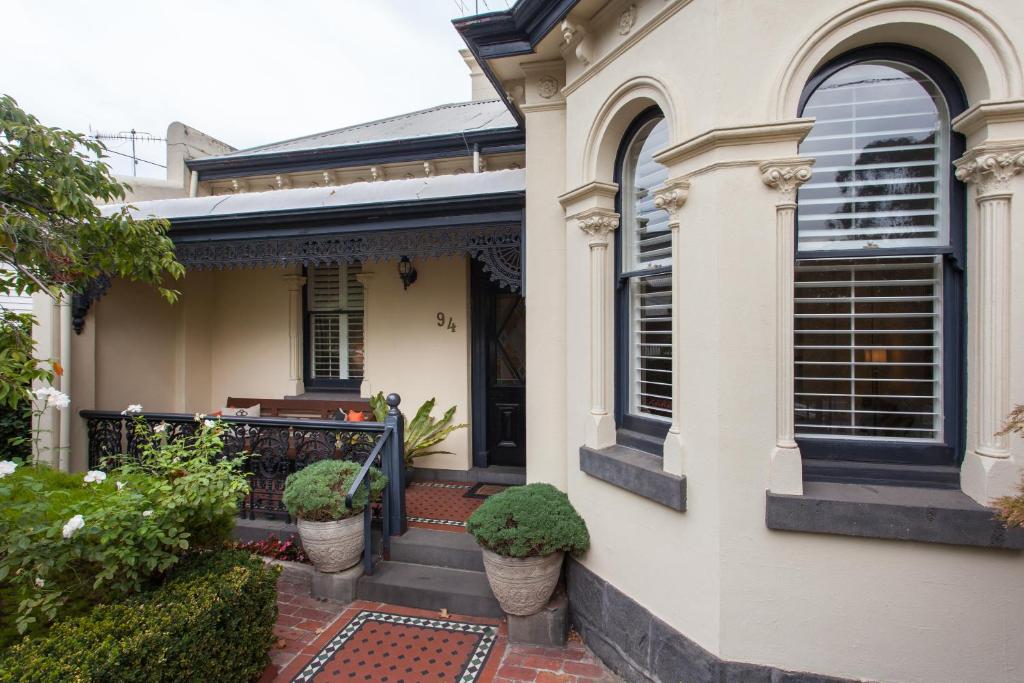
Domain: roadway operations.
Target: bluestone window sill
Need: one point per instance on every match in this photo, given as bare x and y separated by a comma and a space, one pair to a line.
926, 515
636, 472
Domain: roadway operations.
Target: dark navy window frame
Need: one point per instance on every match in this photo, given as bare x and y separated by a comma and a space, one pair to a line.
623, 420
954, 311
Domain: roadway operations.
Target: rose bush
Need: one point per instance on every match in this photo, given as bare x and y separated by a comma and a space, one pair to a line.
68, 541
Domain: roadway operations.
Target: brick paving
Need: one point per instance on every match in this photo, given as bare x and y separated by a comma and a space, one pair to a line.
306, 625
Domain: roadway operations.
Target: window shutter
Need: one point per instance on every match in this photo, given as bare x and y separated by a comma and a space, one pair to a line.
881, 147
335, 302
868, 340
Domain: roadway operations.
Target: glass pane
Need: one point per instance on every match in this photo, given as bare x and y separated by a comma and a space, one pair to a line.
511, 339
868, 344
646, 240
881, 150
651, 347
335, 296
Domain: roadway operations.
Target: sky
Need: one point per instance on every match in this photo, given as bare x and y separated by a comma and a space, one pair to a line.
246, 72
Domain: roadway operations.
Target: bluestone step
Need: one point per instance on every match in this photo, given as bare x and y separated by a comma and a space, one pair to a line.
437, 548
426, 587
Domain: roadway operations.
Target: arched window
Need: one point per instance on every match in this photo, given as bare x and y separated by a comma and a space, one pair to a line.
879, 263
644, 283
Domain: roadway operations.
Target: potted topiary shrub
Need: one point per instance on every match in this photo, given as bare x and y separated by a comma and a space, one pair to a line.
524, 533
332, 534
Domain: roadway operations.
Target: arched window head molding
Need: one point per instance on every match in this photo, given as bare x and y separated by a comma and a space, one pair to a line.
965, 38
615, 117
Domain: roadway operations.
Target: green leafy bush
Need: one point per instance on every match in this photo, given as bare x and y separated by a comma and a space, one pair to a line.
212, 620
527, 521
317, 493
424, 431
68, 541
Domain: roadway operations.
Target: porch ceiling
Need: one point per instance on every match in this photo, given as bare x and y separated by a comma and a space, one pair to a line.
477, 214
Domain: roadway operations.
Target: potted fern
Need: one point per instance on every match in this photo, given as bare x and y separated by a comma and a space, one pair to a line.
423, 432
524, 533
331, 533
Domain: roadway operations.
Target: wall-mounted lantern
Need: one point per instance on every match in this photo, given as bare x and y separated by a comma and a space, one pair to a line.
406, 272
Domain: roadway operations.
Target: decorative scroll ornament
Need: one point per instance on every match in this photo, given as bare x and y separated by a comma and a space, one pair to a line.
597, 222
626, 20
490, 245
786, 176
672, 196
990, 169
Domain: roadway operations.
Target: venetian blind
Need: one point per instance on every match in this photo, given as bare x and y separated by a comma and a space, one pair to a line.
335, 302
646, 263
880, 144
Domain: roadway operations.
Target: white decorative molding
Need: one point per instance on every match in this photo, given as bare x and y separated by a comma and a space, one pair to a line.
792, 131
991, 166
598, 223
575, 35
330, 178
378, 173
989, 114
785, 474
670, 198
627, 20
428, 169
364, 278
547, 87
786, 176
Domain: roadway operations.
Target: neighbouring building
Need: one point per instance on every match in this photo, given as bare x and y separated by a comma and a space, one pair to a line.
761, 261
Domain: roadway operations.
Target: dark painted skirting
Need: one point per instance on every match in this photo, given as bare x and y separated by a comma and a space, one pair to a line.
891, 512
637, 472
640, 647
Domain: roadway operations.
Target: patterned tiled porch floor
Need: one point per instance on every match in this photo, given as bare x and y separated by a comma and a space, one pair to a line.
444, 505
322, 641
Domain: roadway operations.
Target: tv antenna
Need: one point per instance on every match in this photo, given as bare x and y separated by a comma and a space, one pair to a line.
134, 136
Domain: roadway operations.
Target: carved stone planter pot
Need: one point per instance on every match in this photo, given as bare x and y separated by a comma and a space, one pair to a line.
333, 546
522, 585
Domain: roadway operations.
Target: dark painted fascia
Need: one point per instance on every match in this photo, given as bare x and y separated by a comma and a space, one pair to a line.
482, 210
390, 151
515, 31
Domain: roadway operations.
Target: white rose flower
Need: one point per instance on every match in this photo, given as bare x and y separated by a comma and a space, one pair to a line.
209, 424
73, 525
133, 408
40, 583
59, 400
199, 416
43, 392
120, 485
160, 428
95, 477
147, 513
7, 467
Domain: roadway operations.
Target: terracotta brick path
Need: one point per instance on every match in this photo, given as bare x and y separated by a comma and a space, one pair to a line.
305, 625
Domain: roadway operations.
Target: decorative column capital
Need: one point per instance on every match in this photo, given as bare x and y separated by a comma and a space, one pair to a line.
597, 222
671, 198
990, 167
786, 176
294, 281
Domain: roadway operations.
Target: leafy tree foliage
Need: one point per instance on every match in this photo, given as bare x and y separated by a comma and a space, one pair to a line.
53, 236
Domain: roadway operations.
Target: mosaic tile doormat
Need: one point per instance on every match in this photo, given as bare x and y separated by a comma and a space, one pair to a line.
484, 491
439, 505
394, 648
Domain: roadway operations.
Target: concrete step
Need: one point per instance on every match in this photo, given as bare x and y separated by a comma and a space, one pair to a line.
437, 548
426, 587
496, 474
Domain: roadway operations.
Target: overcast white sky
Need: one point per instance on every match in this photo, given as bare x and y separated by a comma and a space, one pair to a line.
247, 72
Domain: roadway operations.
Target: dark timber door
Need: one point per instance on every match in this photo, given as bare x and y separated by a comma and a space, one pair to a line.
499, 373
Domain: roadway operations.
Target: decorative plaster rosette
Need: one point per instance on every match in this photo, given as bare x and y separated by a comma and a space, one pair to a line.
627, 20
547, 86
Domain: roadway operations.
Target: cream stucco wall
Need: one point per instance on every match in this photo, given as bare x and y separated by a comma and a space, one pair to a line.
858, 608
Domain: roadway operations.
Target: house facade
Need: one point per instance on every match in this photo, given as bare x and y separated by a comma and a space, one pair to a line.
760, 262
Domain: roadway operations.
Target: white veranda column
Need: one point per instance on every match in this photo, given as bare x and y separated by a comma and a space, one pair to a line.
295, 283
599, 224
365, 278
785, 176
671, 198
987, 470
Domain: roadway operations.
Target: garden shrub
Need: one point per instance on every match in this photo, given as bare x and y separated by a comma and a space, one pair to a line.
527, 521
317, 493
212, 620
68, 541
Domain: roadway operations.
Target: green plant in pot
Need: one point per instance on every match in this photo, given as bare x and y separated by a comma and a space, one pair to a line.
331, 533
524, 533
424, 431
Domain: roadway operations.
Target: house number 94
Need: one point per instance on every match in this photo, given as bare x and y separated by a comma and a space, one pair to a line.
445, 322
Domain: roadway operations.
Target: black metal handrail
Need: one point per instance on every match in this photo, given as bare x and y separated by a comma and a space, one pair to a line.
363, 478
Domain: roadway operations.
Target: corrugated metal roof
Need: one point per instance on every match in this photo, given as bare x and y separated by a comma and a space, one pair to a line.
386, 191
446, 119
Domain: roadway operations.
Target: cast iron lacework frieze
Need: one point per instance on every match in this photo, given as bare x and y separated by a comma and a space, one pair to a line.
80, 303
497, 247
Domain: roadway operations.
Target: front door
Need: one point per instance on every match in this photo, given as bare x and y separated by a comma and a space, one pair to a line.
499, 373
